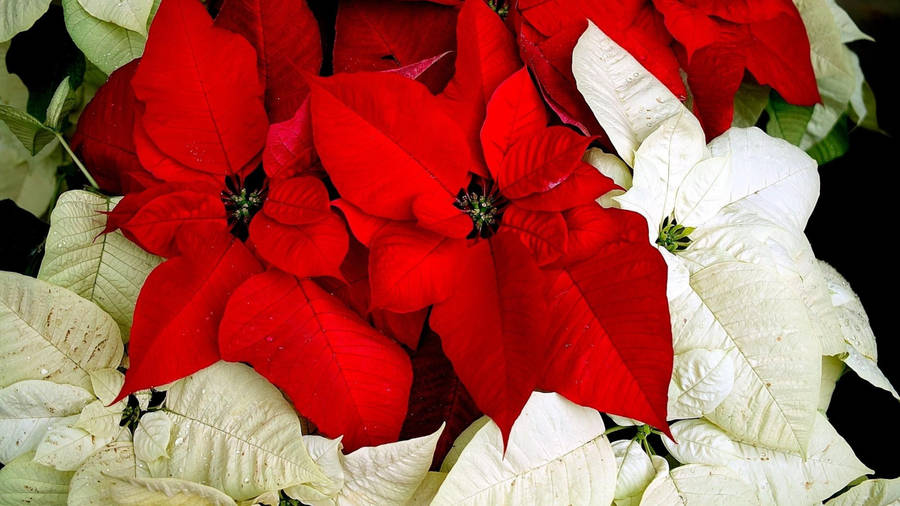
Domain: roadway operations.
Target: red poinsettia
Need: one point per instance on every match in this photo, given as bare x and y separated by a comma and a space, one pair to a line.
494, 249
714, 42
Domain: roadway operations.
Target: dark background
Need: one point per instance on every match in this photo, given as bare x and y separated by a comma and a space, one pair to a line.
854, 229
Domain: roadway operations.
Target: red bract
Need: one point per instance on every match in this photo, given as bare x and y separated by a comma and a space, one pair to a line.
406, 195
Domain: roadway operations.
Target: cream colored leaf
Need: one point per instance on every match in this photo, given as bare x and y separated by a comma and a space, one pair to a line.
107, 269
624, 421
862, 351
870, 493
755, 315
65, 447
130, 14
388, 473
106, 384
152, 436
749, 103
101, 421
628, 101
612, 167
327, 454
165, 492
849, 31
832, 368
778, 477
23, 481
106, 45
635, 472
18, 15
427, 489
48, 332
556, 454
230, 423
93, 482
460, 443
701, 379
29, 408
701, 485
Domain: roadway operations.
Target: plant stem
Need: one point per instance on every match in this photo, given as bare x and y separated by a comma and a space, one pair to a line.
75, 159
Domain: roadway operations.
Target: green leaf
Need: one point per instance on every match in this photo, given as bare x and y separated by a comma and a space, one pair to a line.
18, 15
130, 14
870, 121
23, 481
106, 269
105, 44
48, 332
787, 121
749, 103
62, 102
33, 134
834, 145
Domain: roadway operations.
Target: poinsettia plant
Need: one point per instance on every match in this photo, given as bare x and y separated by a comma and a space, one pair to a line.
331, 238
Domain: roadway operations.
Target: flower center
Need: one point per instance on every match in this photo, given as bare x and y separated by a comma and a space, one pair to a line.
484, 204
242, 200
674, 237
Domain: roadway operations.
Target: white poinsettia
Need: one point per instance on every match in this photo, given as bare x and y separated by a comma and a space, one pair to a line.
635, 472
777, 477
697, 484
870, 493
556, 454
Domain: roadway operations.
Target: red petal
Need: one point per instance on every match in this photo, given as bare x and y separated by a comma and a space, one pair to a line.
297, 201
411, 268
177, 315
393, 160
340, 373
592, 226
584, 185
541, 162
289, 145
314, 249
162, 166
364, 226
200, 88
387, 35
493, 328
286, 37
103, 139
415, 70
438, 217
160, 220
437, 396
611, 331
543, 233
514, 112
406, 328
353, 290
486, 56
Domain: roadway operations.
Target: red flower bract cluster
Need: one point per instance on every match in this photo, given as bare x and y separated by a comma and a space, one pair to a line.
473, 223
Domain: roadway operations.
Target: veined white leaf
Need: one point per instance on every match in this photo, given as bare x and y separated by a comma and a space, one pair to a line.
612, 167
106, 269
698, 484
48, 332
106, 384
18, 15
870, 493
230, 423
862, 351
106, 45
832, 368
23, 481
635, 472
701, 379
93, 481
131, 14
165, 491
152, 436
556, 454
101, 421
778, 477
29, 408
66, 447
628, 101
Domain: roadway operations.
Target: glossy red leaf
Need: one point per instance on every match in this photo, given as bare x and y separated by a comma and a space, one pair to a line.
541, 162
405, 328
379, 159
583, 186
297, 201
286, 37
156, 224
543, 233
176, 319
103, 138
309, 250
364, 226
411, 268
353, 290
289, 147
339, 372
415, 70
162, 166
611, 331
591, 227
514, 112
493, 327
437, 216
437, 397
203, 106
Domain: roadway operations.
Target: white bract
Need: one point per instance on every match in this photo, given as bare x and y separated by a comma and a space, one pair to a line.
556, 454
